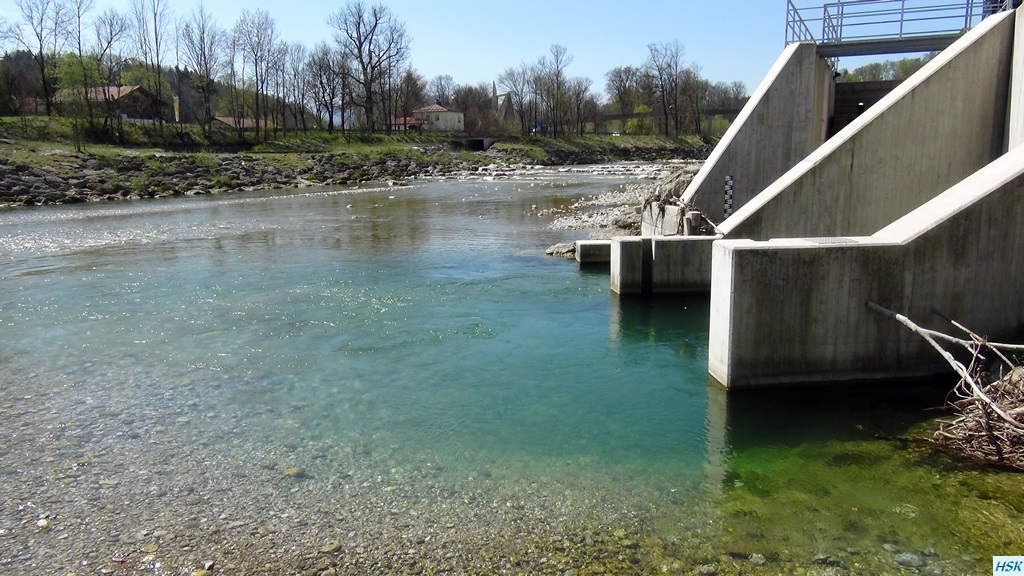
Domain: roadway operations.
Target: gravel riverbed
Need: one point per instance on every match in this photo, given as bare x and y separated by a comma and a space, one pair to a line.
617, 212
91, 487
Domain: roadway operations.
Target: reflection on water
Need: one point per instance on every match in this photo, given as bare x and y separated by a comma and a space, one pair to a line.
423, 328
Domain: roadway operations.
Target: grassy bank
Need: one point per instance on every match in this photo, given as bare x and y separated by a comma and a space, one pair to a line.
39, 133
41, 164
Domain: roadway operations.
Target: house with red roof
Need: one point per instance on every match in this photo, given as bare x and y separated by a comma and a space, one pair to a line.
437, 118
407, 124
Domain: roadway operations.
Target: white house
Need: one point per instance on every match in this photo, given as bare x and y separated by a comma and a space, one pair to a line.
437, 118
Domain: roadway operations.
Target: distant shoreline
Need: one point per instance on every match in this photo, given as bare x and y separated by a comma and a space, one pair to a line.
59, 177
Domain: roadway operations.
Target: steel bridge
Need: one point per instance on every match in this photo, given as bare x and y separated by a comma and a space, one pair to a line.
869, 27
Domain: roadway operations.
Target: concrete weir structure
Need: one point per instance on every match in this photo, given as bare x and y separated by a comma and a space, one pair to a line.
794, 310
916, 205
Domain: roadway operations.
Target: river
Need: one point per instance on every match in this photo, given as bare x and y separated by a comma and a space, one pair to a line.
397, 380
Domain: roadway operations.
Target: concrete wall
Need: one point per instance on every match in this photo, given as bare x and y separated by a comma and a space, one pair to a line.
790, 311
593, 251
939, 126
671, 265
1015, 117
630, 266
655, 223
784, 120
681, 264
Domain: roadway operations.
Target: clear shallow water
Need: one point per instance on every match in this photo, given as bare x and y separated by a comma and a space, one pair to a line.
434, 312
425, 326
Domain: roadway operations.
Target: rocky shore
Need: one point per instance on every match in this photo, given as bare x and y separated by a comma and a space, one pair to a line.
57, 176
71, 178
618, 212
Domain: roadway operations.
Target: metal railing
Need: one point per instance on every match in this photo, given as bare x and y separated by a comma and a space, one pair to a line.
796, 28
866, 20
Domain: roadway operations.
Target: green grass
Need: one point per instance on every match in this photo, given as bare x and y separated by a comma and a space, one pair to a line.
41, 141
206, 160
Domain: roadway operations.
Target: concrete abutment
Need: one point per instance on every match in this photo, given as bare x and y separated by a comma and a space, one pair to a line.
916, 204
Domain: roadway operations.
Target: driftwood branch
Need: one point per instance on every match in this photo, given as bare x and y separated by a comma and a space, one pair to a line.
987, 428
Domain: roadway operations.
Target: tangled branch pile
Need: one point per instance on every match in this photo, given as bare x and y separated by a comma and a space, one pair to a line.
989, 425
701, 226
987, 428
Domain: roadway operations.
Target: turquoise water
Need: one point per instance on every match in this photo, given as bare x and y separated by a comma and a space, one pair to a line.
423, 326
432, 317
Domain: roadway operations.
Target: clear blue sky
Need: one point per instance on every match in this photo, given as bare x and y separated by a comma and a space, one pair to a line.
474, 41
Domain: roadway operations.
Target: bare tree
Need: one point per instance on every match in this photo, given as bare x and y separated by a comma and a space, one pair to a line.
475, 104
326, 71
412, 93
373, 40
557, 87
516, 84
204, 44
235, 77
664, 64
579, 93
441, 88
83, 78
150, 19
738, 93
693, 90
390, 80
622, 84
277, 69
537, 102
297, 88
256, 37
46, 21
110, 28
7, 32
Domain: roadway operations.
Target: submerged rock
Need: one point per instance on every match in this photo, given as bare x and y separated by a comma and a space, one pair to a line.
909, 559
295, 472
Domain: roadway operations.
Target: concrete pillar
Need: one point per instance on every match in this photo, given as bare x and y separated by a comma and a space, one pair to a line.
630, 265
681, 264
593, 251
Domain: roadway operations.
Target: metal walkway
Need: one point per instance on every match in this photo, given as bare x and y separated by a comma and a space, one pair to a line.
869, 27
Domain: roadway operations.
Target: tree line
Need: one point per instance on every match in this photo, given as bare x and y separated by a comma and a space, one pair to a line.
64, 55
886, 70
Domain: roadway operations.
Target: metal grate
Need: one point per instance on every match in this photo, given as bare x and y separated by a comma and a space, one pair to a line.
832, 240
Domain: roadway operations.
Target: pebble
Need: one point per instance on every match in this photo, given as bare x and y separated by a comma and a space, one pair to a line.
295, 472
330, 548
826, 560
909, 559
758, 559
